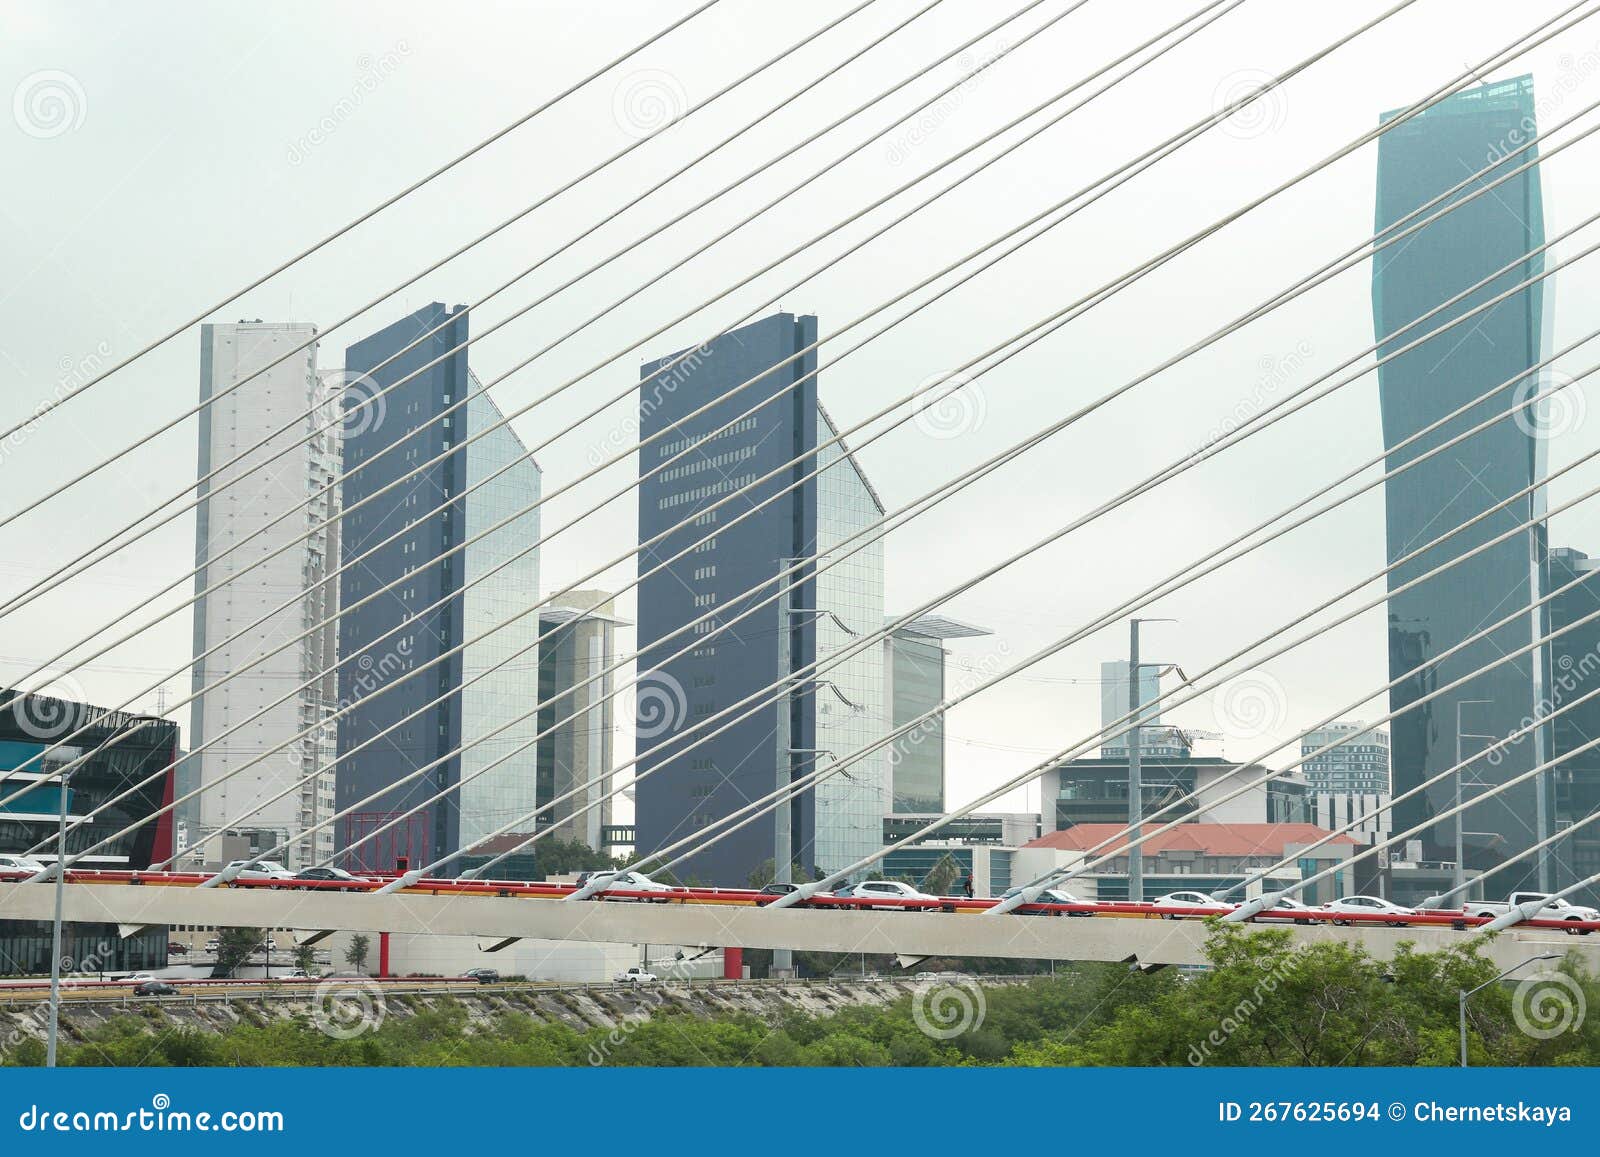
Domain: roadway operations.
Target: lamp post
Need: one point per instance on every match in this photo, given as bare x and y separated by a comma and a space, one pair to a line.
1465, 994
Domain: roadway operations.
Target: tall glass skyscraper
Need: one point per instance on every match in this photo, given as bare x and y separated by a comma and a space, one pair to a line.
1417, 161
677, 795
1575, 673
428, 528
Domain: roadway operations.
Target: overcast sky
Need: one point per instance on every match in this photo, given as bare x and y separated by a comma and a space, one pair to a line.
161, 156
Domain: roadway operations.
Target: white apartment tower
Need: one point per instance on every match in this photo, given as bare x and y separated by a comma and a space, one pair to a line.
259, 521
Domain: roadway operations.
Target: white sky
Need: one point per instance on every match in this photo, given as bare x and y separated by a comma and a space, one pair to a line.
192, 160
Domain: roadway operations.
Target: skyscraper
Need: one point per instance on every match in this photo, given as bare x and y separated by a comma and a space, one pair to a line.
1575, 672
476, 701
1359, 764
263, 494
840, 819
1418, 160
914, 665
578, 643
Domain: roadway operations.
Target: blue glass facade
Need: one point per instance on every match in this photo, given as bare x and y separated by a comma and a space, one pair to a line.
371, 674
678, 795
1419, 160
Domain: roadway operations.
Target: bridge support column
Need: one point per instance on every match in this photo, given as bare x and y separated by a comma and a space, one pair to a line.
733, 964
383, 955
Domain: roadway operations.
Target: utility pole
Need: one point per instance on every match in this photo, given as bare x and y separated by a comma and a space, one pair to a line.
1135, 772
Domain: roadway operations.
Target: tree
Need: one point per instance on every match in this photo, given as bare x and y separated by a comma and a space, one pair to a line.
560, 857
356, 954
234, 947
941, 879
305, 957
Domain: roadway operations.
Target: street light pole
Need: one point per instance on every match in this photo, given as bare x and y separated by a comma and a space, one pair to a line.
1465, 994
55, 929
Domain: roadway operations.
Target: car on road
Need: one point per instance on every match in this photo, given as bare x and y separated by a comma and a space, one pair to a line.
483, 975
637, 975
1047, 896
1552, 908
136, 978
627, 881
890, 890
1201, 904
177, 948
155, 988
783, 888
260, 870
213, 944
1384, 911
12, 866
1288, 910
334, 879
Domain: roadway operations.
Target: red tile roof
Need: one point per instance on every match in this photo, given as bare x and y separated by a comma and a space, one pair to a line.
1206, 839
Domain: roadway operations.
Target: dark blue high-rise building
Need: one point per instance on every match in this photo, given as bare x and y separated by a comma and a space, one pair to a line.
481, 695
1418, 160
732, 566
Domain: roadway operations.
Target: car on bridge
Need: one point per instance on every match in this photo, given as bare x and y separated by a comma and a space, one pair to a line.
1288, 910
483, 975
1381, 910
13, 867
637, 975
336, 879
1551, 909
1047, 896
628, 881
260, 870
155, 988
1191, 905
911, 900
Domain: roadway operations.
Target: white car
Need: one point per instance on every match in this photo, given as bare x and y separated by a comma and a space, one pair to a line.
137, 978
213, 944
1367, 906
1200, 903
10, 864
637, 975
262, 870
888, 890
628, 882
1288, 910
